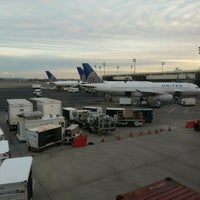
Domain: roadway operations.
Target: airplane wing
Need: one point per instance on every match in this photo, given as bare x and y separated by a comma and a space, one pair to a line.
150, 92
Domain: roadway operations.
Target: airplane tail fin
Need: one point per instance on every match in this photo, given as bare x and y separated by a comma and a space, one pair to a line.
81, 74
91, 75
51, 77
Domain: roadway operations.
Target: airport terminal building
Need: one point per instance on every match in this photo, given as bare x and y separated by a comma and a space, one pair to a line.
179, 75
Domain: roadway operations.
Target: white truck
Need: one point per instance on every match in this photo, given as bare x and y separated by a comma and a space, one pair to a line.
16, 107
188, 101
16, 179
125, 101
43, 136
25, 124
48, 106
4, 150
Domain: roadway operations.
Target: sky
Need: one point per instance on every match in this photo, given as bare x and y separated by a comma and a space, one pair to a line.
60, 35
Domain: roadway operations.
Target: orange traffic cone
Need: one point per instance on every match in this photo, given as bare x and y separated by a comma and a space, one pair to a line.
118, 137
102, 139
149, 132
131, 134
140, 133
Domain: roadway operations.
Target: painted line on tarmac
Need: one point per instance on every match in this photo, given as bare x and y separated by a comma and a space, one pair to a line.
186, 110
172, 109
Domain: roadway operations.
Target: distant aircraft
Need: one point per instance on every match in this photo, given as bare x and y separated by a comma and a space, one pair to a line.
91, 75
81, 74
153, 92
53, 80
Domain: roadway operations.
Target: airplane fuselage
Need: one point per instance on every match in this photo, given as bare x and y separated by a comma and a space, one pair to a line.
142, 88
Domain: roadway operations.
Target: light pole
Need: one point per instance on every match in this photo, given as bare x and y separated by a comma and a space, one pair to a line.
104, 64
117, 70
134, 61
162, 65
131, 67
100, 70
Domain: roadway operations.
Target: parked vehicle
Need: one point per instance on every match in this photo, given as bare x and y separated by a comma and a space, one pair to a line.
125, 117
16, 178
46, 135
188, 101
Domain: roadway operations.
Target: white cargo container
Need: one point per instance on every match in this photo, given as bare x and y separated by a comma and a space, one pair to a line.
73, 90
97, 109
16, 107
48, 106
36, 86
25, 124
16, 179
68, 113
43, 136
124, 101
188, 101
4, 150
2, 135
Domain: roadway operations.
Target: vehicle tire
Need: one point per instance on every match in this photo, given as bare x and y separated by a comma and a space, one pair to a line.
157, 103
197, 127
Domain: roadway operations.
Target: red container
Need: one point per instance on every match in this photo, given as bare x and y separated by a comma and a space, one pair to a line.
167, 189
80, 141
190, 124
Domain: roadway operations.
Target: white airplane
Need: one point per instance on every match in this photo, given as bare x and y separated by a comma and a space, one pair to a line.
154, 92
53, 80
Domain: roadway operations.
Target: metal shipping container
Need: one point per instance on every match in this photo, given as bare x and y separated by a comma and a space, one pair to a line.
166, 189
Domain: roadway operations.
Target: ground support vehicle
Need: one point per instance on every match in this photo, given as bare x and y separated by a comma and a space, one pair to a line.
25, 124
16, 107
93, 108
95, 122
147, 114
164, 189
4, 150
68, 113
16, 179
40, 137
36, 86
100, 123
125, 117
48, 106
188, 101
71, 132
81, 116
125, 101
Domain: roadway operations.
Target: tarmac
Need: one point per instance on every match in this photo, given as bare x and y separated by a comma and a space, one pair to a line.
129, 157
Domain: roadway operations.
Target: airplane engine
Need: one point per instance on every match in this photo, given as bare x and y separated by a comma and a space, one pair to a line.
156, 101
165, 97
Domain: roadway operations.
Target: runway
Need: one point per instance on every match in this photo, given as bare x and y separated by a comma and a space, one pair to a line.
104, 170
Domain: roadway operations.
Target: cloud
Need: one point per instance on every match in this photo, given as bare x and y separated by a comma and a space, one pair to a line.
68, 32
